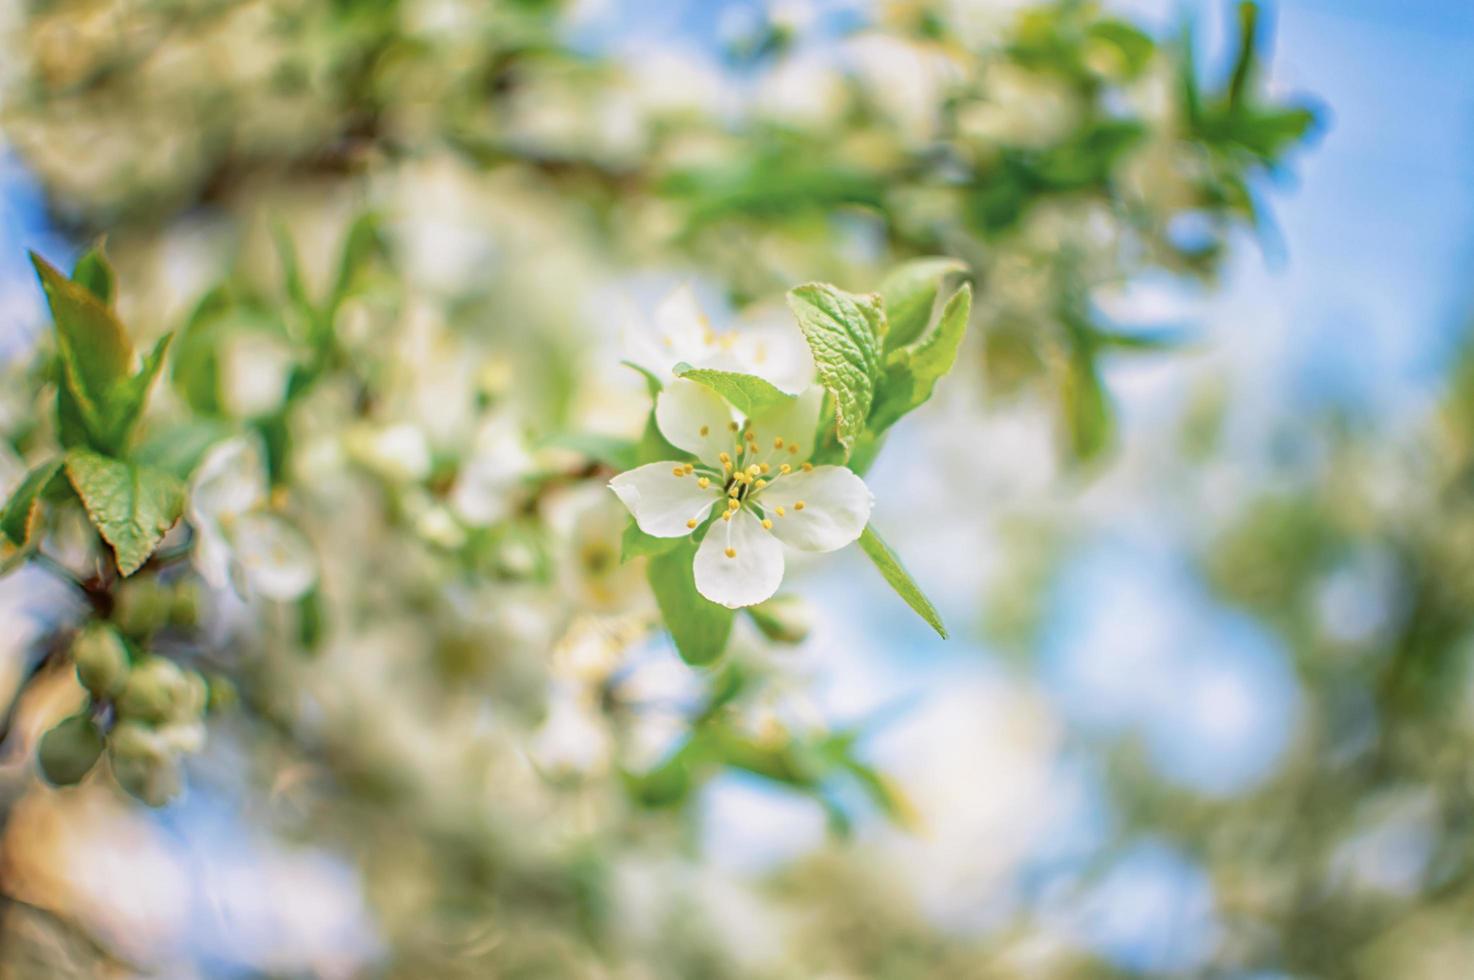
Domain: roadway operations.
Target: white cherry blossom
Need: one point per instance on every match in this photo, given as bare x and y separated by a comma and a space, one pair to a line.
752, 481
681, 332
237, 540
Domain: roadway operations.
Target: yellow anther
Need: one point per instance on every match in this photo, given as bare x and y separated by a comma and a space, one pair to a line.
779, 511
706, 430
733, 490
793, 447
724, 457
703, 483
754, 470
691, 523
785, 468
760, 484
732, 503
731, 552
808, 467
727, 516
767, 524
689, 469
679, 471
732, 426
798, 505
777, 442
764, 467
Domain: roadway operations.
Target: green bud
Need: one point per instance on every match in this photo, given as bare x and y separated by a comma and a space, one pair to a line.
102, 660
184, 608
155, 691
142, 765
143, 606
783, 618
70, 750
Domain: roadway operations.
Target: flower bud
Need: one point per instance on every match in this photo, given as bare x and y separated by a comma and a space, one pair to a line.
143, 607
184, 605
222, 694
141, 765
70, 750
101, 659
783, 618
155, 691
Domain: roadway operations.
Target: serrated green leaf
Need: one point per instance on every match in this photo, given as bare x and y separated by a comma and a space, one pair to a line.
636, 543
699, 626
912, 372
896, 575
844, 333
95, 272
909, 291
18, 519
747, 393
131, 506
126, 401
94, 349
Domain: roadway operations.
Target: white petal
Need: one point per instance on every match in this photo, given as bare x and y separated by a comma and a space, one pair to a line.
836, 508
739, 563
397, 452
681, 327
663, 504
278, 561
796, 423
685, 410
777, 353
229, 481
212, 554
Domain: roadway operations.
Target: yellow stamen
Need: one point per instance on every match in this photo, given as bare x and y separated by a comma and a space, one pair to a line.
703, 483
785, 468
689, 469
808, 467
777, 442
733, 490
767, 524
760, 484
731, 552
779, 511
793, 447
798, 505
754, 470
732, 503
706, 430
764, 467
679, 471
691, 523
727, 516
732, 426
724, 457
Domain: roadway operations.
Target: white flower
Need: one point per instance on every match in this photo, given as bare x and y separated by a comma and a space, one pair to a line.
488, 481
235, 538
682, 332
759, 467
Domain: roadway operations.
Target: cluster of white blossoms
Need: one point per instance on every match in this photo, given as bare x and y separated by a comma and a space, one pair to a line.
751, 490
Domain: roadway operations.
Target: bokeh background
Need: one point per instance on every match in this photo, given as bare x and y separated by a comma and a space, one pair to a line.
1206, 703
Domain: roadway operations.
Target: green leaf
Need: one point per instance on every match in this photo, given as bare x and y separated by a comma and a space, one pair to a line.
909, 292
912, 371
177, 449
844, 333
361, 244
95, 272
893, 572
747, 393
69, 750
18, 519
195, 373
126, 400
652, 383
95, 351
611, 451
654, 447
699, 626
636, 543
131, 506
1086, 411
